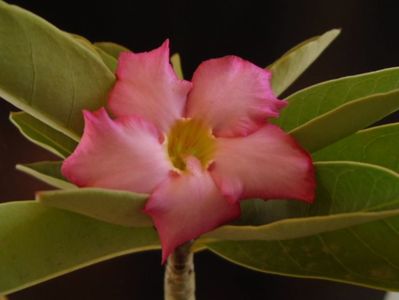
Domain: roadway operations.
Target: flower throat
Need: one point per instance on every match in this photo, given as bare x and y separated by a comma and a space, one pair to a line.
190, 137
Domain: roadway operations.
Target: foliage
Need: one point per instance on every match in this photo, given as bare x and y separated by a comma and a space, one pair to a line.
350, 234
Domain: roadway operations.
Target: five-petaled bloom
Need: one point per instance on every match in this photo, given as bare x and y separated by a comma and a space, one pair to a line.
197, 147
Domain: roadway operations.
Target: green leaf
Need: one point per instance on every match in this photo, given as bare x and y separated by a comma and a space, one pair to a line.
315, 101
293, 63
345, 120
48, 73
176, 63
306, 246
348, 193
294, 228
43, 135
112, 49
109, 60
322, 114
39, 243
363, 255
84, 42
377, 145
116, 207
47, 171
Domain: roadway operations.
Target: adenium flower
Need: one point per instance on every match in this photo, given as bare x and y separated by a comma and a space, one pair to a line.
197, 148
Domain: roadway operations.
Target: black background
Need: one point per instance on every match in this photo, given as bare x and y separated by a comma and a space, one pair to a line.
256, 30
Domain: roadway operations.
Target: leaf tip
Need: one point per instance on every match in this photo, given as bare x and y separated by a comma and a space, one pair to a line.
334, 32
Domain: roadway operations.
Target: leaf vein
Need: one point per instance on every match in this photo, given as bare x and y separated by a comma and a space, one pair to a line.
30, 100
291, 258
336, 259
367, 245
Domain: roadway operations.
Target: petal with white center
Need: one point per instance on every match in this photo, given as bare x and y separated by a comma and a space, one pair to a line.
233, 96
147, 86
187, 205
266, 164
125, 154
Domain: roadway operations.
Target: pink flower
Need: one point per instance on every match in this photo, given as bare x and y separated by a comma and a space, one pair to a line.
197, 148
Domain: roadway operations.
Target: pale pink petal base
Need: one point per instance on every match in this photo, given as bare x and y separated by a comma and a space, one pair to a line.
148, 86
125, 154
233, 96
266, 164
187, 205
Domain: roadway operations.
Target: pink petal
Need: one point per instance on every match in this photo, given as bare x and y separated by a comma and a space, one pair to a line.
187, 205
125, 154
147, 86
266, 164
233, 95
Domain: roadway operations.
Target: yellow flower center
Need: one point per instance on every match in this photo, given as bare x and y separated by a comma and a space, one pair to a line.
190, 137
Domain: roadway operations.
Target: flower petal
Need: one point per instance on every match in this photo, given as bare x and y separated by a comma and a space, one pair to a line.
125, 154
233, 95
187, 205
147, 86
266, 164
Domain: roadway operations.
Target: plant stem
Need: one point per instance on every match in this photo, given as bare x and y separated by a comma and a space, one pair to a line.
179, 283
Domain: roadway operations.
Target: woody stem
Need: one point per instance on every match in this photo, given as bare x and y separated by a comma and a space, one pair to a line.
179, 282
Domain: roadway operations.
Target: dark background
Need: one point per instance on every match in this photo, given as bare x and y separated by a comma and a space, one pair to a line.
256, 30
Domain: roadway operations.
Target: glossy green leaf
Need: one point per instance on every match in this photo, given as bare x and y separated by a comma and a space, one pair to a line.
293, 63
176, 63
47, 171
39, 243
377, 145
315, 101
364, 255
48, 73
43, 135
116, 207
345, 120
112, 49
348, 193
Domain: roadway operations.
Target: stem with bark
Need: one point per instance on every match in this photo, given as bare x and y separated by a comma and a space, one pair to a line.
179, 283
